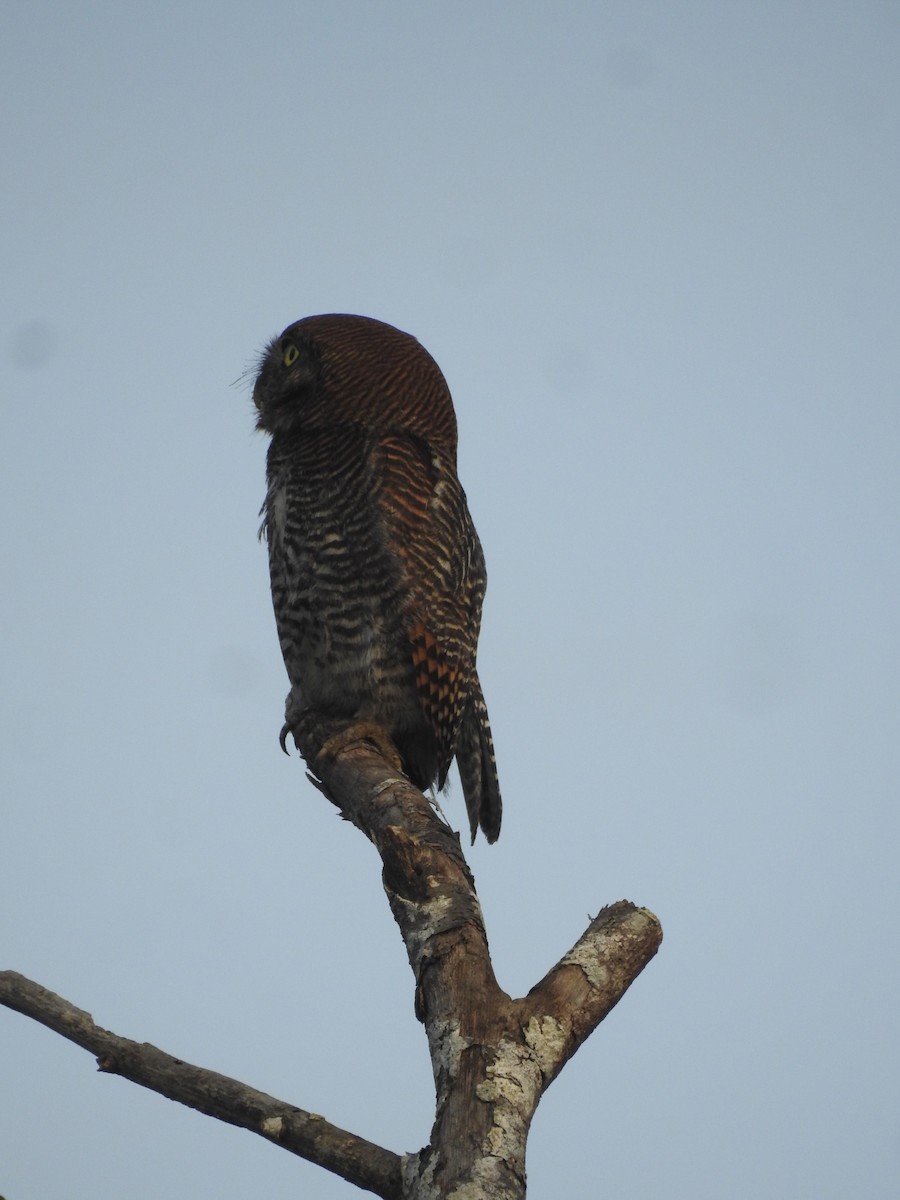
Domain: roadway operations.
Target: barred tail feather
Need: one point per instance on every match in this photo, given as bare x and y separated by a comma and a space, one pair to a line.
478, 769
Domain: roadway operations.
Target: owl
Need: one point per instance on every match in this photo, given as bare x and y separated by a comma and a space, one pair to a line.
377, 573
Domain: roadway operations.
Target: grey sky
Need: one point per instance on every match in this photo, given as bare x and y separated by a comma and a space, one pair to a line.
654, 249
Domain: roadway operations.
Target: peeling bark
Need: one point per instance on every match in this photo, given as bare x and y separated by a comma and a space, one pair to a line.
492, 1056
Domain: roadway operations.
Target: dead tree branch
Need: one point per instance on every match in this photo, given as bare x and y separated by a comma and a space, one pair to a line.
302, 1133
492, 1056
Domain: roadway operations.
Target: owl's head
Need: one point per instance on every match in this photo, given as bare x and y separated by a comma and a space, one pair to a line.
342, 369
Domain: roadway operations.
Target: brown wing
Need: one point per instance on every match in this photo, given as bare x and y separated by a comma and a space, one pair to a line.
428, 528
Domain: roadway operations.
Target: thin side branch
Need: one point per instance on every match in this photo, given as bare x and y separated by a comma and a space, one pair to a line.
303, 1133
574, 996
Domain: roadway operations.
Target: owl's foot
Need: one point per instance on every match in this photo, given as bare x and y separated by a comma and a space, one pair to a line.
363, 731
308, 730
328, 736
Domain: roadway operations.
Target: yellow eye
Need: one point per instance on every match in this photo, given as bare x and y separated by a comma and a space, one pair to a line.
291, 354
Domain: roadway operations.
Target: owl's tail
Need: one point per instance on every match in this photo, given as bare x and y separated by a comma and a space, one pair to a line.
478, 767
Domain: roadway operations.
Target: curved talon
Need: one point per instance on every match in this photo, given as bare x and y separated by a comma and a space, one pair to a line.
282, 738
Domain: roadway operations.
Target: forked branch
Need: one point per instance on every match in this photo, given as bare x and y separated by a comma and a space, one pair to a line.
492, 1056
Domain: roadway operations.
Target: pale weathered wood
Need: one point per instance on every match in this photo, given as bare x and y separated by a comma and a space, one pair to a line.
492, 1056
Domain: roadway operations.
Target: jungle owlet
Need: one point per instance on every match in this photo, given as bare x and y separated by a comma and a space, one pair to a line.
377, 572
